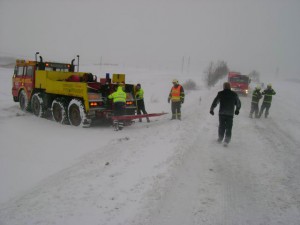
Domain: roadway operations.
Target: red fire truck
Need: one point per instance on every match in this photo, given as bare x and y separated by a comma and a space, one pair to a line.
239, 83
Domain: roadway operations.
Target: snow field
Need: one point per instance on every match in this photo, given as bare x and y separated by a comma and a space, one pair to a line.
164, 172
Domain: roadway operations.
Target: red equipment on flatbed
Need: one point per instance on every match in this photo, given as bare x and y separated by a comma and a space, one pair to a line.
132, 117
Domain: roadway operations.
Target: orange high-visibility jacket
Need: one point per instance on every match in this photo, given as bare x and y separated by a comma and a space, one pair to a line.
176, 94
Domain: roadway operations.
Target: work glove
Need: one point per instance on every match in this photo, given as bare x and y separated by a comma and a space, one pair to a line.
236, 112
182, 101
211, 112
169, 100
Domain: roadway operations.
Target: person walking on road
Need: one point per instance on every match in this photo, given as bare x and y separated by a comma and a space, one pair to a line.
230, 104
256, 96
176, 97
139, 96
267, 93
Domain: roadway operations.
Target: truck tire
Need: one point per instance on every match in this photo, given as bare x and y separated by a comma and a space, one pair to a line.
23, 99
37, 105
59, 111
77, 114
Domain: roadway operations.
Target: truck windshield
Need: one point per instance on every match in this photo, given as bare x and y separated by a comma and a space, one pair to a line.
49, 66
239, 79
56, 69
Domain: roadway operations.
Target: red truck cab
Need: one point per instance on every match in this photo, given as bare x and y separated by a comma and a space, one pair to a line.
239, 83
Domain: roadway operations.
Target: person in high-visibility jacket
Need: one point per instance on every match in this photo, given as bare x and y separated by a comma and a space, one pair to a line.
267, 93
256, 96
119, 102
139, 96
176, 97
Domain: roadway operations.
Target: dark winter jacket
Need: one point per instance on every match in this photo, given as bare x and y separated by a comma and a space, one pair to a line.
228, 100
268, 95
256, 96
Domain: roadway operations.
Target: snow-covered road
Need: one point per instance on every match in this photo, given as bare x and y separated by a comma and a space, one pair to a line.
165, 172
255, 180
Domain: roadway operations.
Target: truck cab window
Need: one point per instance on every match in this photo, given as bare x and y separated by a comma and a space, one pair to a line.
20, 71
29, 71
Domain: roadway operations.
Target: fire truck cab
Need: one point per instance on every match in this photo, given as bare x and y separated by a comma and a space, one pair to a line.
23, 80
239, 83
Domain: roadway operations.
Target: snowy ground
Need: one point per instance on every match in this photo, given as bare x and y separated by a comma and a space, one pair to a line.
165, 172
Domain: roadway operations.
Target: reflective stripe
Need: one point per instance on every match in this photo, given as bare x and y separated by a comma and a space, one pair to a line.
268, 93
175, 93
256, 96
139, 94
118, 96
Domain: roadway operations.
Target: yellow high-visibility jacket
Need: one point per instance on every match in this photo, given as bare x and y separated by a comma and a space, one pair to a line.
118, 96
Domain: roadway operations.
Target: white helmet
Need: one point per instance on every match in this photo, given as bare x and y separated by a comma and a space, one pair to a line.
175, 81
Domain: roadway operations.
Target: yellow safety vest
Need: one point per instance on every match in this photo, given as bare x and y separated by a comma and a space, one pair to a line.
118, 96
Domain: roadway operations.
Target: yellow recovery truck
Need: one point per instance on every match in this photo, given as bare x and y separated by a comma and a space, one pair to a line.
71, 97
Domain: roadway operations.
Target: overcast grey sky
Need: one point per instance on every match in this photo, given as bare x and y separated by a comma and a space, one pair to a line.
247, 34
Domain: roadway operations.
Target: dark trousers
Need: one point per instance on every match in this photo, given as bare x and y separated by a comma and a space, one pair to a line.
254, 109
176, 110
119, 110
141, 108
225, 127
265, 106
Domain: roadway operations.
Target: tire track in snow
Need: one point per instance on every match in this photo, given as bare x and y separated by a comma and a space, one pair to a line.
242, 184
169, 206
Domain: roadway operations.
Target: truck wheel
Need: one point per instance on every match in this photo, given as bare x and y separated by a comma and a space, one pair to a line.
37, 105
23, 99
76, 114
59, 111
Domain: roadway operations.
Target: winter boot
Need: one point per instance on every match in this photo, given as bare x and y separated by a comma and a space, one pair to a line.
121, 125
266, 115
116, 125
226, 141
